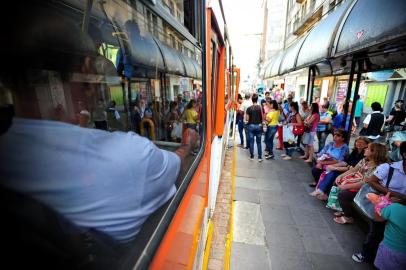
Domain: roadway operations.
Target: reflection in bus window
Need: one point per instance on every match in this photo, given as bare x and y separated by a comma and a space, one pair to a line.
94, 133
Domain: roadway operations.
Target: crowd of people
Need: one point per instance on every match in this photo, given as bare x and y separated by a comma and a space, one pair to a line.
377, 160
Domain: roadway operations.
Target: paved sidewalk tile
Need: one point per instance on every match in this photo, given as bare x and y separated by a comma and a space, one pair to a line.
245, 257
279, 226
248, 224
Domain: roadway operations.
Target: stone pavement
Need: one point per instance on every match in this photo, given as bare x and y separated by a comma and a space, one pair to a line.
278, 226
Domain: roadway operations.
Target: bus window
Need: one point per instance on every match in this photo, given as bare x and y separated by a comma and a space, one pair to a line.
95, 107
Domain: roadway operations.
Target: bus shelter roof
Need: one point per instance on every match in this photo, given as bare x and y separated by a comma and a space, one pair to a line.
372, 29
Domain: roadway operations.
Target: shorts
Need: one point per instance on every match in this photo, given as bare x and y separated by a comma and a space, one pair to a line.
308, 138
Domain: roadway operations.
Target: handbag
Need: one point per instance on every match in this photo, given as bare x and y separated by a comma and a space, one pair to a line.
298, 130
332, 201
366, 207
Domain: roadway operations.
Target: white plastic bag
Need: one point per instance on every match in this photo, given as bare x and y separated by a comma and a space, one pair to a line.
288, 135
176, 132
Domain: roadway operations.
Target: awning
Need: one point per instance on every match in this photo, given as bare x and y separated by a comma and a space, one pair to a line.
143, 49
318, 44
189, 66
370, 23
198, 68
276, 64
172, 59
290, 57
374, 29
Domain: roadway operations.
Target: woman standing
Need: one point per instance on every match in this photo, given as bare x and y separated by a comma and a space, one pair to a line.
272, 127
311, 123
190, 116
294, 120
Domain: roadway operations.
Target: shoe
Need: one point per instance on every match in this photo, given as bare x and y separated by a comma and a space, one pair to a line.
246, 148
284, 155
358, 257
251, 158
260, 160
344, 220
315, 193
287, 158
279, 148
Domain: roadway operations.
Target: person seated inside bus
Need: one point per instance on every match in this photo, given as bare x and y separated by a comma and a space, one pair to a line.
107, 181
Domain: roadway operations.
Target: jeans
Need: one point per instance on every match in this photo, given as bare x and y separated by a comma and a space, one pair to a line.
269, 136
328, 181
240, 124
246, 131
255, 131
322, 136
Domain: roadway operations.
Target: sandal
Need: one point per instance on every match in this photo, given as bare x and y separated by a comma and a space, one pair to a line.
303, 157
338, 214
344, 220
322, 197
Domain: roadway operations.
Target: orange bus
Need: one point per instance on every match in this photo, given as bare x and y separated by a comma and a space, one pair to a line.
95, 99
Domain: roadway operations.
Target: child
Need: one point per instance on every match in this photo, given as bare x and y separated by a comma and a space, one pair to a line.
392, 250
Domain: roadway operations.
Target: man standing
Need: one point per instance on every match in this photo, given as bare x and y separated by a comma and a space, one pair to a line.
254, 118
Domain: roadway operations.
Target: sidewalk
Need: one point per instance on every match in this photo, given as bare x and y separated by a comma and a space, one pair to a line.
278, 226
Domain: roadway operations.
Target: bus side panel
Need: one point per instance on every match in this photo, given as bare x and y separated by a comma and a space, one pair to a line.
178, 247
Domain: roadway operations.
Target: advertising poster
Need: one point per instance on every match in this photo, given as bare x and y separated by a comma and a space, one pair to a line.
341, 91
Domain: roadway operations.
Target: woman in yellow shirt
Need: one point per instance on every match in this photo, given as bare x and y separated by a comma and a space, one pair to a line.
190, 116
272, 127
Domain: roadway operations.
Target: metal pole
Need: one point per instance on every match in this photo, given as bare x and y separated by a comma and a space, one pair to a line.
354, 103
309, 77
348, 96
310, 86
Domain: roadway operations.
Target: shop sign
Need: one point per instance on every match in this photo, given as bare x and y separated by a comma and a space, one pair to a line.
341, 91
183, 84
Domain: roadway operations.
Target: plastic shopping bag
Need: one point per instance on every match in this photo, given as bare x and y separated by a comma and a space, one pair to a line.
332, 201
288, 135
176, 132
363, 204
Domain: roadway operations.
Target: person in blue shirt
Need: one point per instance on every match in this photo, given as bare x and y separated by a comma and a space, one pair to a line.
358, 110
322, 127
